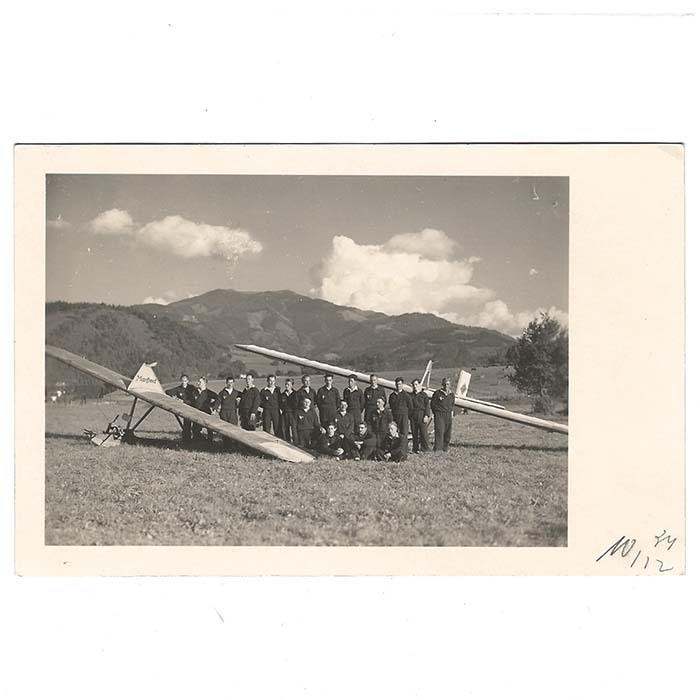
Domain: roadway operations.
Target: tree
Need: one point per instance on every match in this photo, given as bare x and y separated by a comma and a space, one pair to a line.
540, 362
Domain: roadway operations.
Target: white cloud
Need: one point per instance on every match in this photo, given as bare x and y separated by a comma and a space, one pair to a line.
156, 300
533, 272
414, 272
113, 222
58, 224
179, 236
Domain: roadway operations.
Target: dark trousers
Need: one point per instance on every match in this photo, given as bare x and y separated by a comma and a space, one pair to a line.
326, 416
305, 437
197, 432
356, 416
420, 434
443, 431
403, 423
246, 423
271, 422
186, 430
229, 417
289, 428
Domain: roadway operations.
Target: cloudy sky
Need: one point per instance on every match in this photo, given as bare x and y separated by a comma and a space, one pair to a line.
488, 251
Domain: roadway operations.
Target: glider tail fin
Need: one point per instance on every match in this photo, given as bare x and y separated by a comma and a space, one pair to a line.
462, 385
425, 382
146, 379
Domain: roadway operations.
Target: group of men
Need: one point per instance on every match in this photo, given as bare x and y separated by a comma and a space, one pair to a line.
357, 425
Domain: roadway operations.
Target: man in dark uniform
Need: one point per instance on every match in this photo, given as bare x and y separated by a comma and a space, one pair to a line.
270, 403
308, 425
355, 399
442, 403
401, 405
345, 421
229, 397
249, 404
305, 392
420, 417
371, 394
328, 401
330, 443
207, 401
395, 445
288, 406
363, 443
185, 392
379, 420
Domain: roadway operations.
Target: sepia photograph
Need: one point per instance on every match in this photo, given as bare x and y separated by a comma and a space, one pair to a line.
362, 360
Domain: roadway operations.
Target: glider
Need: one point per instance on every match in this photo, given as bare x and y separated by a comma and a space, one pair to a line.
461, 388
145, 386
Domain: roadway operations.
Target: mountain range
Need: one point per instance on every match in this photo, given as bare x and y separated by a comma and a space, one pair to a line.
200, 333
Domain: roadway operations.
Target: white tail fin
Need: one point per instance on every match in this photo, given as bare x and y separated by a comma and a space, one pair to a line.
146, 380
425, 382
462, 385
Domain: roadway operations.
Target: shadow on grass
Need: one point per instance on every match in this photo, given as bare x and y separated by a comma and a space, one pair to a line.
528, 448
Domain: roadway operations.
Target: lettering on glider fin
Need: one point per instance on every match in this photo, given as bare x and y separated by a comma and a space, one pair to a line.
146, 380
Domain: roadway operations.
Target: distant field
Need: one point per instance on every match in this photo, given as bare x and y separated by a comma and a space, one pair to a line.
501, 484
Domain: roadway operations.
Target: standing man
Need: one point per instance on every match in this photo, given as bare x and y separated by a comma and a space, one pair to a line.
305, 392
307, 423
328, 401
442, 403
288, 406
355, 399
401, 405
379, 420
185, 392
249, 404
207, 401
229, 397
345, 421
420, 417
371, 394
270, 402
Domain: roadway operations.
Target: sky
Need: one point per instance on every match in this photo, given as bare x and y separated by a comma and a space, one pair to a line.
489, 251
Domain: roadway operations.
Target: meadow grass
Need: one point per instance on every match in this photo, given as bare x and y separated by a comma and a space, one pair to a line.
501, 484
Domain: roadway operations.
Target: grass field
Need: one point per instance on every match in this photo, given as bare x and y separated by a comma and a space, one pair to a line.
501, 484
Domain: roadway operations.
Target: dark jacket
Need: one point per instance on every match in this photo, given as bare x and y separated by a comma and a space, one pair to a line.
185, 394
288, 402
442, 402
400, 403
368, 441
228, 401
307, 421
328, 445
206, 400
380, 422
270, 399
346, 424
355, 399
250, 401
396, 447
301, 394
370, 396
328, 400
421, 405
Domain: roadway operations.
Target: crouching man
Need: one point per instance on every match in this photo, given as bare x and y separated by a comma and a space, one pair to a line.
395, 445
330, 443
361, 445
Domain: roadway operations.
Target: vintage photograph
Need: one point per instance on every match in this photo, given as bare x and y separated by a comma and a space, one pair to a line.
306, 360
